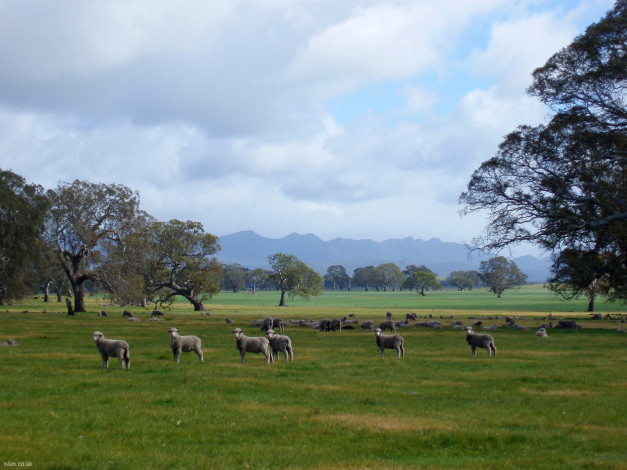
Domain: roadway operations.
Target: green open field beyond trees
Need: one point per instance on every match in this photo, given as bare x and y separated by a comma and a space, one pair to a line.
556, 402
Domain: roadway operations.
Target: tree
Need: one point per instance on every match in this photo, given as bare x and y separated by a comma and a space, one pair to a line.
463, 279
22, 210
337, 275
365, 277
499, 274
256, 277
182, 262
389, 274
234, 277
424, 280
563, 186
410, 281
83, 216
294, 277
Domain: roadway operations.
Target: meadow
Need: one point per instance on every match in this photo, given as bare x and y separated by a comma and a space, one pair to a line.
556, 402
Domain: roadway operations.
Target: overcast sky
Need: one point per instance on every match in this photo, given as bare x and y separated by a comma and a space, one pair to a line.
353, 119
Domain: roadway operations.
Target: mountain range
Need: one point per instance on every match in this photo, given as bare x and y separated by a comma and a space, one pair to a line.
252, 250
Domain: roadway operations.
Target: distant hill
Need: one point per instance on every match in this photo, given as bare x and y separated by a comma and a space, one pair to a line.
252, 251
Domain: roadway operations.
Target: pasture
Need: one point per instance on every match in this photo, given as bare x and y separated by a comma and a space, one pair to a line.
556, 402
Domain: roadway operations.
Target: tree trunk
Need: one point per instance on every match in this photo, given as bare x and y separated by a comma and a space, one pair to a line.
198, 306
79, 296
591, 303
282, 301
47, 291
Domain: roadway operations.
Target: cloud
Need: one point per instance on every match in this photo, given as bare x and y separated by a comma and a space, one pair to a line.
343, 119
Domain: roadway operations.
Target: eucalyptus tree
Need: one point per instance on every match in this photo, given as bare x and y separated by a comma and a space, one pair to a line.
365, 277
256, 277
22, 212
424, 280
294, 277
337, 276
234, 277
389, 275
83, 218
499, 274
563, 185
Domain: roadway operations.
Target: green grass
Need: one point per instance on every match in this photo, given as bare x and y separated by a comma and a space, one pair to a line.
556, 402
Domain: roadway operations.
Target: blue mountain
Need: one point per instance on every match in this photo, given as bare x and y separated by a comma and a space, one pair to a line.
252, 250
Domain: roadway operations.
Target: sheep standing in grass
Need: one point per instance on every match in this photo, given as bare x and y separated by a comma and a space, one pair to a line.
387, 325
389, 342
257, 344
112, 348
367, 325
180, 343
280, 343
482, 341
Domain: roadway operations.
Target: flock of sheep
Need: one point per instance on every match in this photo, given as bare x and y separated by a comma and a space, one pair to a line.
273, 343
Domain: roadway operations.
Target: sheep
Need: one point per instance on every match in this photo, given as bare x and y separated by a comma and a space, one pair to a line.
568, 324
102, 313
126, 313
135, 319
112, 348
389, 342
151, 319
323, 325
542, 333
489, 328
228, 320
546, 325
476, 323
277, 322
458, 327
521, 327
621, 330
387, 325
367, 325
280, 343
335, 324
411, 316
180, 343
257, 344
482, 341
266, 324
157, 313
388, 315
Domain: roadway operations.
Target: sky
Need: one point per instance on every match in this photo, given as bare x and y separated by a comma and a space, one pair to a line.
352, 119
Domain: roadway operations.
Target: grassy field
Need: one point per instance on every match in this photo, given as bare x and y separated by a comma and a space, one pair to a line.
556, 402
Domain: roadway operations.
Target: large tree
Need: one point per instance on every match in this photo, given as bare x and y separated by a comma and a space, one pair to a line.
22, 210
294, 277
389, 275
499, 274
365, 277
563, 185
182, 262
424, 280
83, 217
337, 276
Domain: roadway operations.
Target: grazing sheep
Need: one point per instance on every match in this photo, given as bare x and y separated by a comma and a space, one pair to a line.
490, 328
387, 325
180, 343
277, 323
411, 316
568, 324
157, 313
367, 325
280, 343
477, 323
112, 348
458, 327
102, 313
257, 344
542, 333
335, 324
482, 341
389, 342
388, 315
228, 320
126, 313
266, 324
323, 325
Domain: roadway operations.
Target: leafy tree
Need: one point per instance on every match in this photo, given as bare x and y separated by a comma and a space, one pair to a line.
563, 186
182, 263
365, 277
84, 216
234, 277
22, 211
294, 277
256, 277
424, 280
463, 279
410, 281
337, 275
389, 275
499, 274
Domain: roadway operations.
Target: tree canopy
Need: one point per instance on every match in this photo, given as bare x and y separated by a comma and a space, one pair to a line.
563, 185
294, 277
500, 274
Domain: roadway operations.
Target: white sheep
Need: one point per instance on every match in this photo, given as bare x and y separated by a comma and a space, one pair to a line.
280, 343
387, 325
482, 341
389, 342
112, 348
180, 343
257, 344
541, 332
